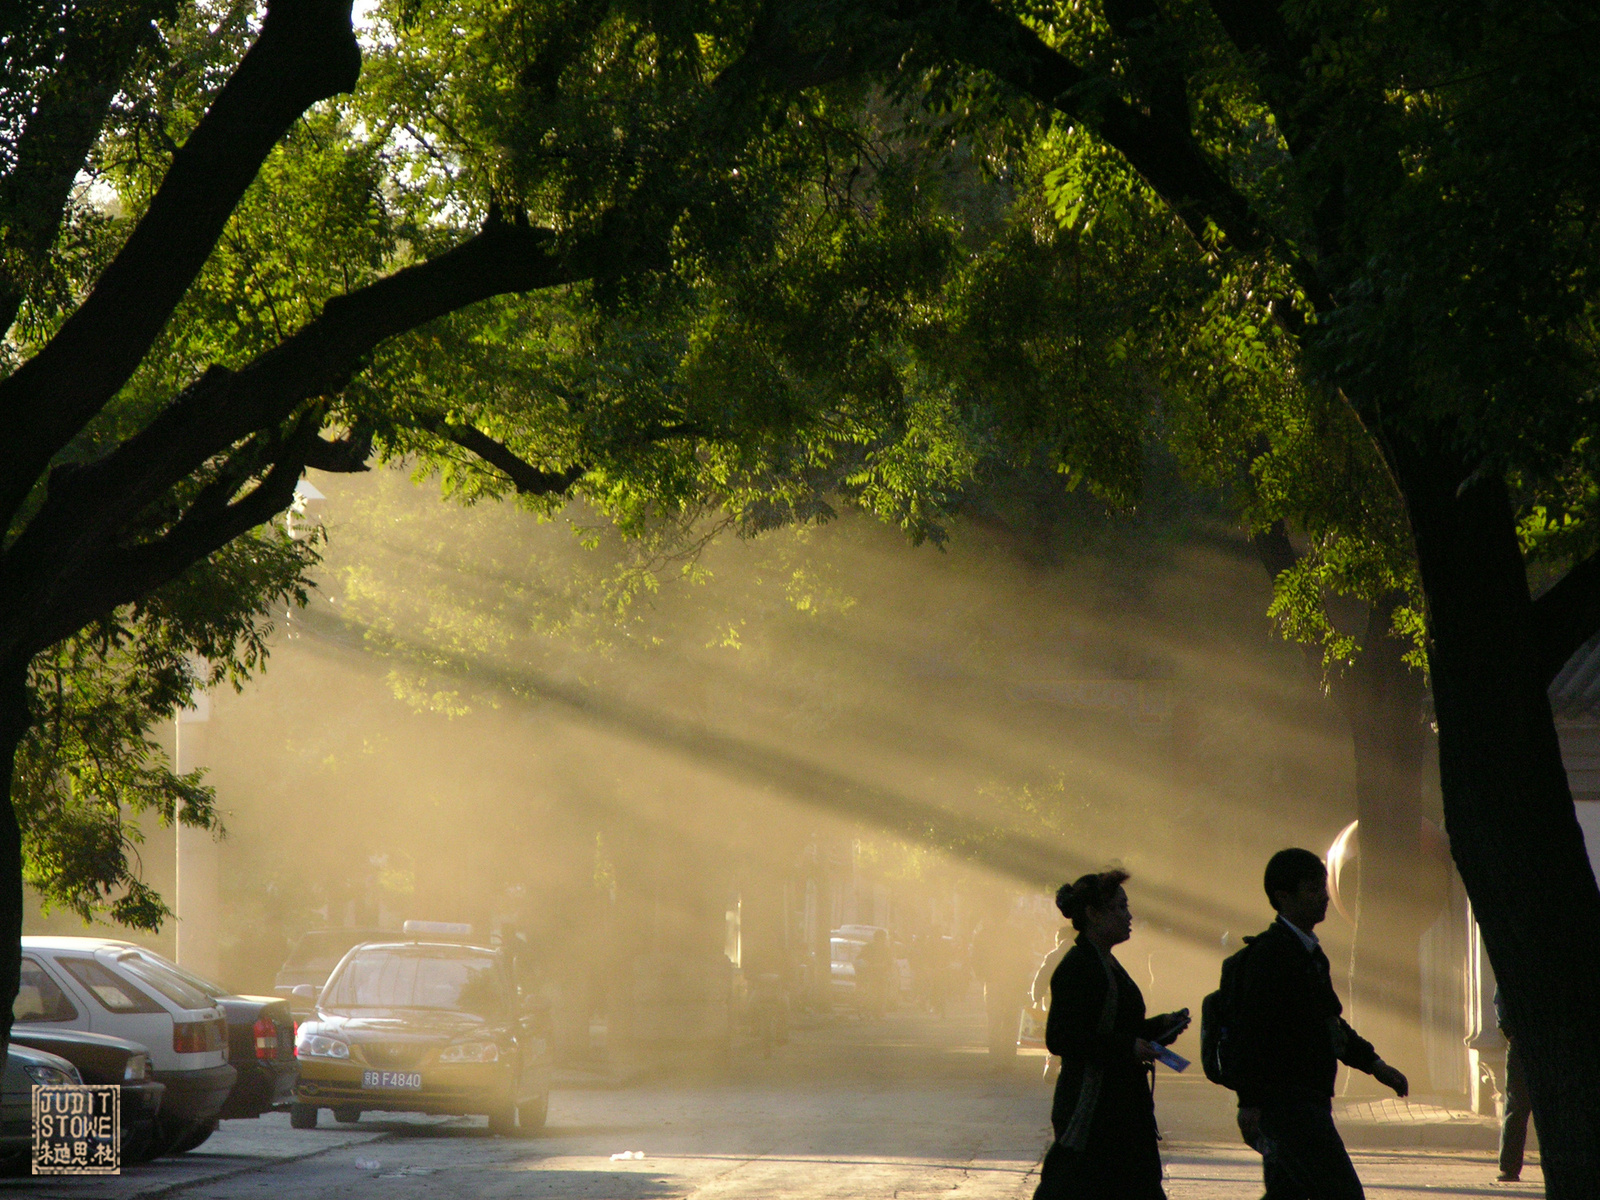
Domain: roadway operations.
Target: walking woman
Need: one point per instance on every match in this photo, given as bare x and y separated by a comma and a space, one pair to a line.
1104, 1115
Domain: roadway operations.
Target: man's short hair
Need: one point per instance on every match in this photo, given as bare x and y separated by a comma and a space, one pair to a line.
1288, 869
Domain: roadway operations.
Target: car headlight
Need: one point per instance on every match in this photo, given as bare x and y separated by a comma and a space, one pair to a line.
138, 1067
315, 1045
475, 1052
42, 1074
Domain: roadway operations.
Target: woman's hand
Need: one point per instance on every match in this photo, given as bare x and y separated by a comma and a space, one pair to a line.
1173, 1024
1145, 1051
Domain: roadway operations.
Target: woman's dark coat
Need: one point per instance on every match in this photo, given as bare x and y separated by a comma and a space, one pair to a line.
1113, 1138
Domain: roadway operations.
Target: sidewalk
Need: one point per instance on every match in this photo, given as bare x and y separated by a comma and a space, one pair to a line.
1400, 1148
1217, 1172
1394, 1122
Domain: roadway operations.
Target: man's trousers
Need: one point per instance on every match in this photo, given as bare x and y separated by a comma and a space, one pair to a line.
1302, 1155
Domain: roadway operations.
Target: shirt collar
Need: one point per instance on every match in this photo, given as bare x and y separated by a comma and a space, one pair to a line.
1308, 940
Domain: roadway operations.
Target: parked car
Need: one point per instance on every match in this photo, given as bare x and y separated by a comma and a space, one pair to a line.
428, 1026
24, 1068
842, 953
103, 985
260, 1045
101, 1058
314, 957
899, 958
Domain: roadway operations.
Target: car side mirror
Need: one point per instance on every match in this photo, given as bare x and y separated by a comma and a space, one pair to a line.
304, 991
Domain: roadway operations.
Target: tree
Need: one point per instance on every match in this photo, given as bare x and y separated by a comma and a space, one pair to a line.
219, 266
1407, 195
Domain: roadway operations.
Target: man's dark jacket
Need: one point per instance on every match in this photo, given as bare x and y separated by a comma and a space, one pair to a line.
1286, 1037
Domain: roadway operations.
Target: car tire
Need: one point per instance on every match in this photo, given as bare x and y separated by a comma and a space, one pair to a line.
302, 1116
531, 1116
193, 1137
503, 1121
347, 1114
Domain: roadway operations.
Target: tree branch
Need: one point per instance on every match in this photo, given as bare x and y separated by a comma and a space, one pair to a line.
347, 456
1256, 29
306, 53
88, 508
528, 479
73, 100
120, 575
1567, 616
1164, 155
1274, 549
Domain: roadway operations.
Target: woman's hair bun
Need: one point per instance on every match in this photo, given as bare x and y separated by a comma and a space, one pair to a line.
1094, 890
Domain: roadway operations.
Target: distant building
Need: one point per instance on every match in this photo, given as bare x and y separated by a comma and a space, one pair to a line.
1575, 697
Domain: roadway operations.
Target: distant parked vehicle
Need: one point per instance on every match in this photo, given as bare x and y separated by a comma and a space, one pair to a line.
103, 985
24, 1068
101, 1058
842, 988
900, 981
313, 959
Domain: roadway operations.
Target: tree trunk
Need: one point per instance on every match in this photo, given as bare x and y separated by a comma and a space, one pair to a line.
1381, 699
1513, 831
1399, 894
14, 717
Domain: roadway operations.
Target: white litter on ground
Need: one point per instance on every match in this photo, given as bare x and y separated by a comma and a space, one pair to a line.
625, 1154
367, 1164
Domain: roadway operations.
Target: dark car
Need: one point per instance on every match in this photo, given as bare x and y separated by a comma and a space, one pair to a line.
315, 955
425, 1026
25, 1067
260, 1047
101, 1058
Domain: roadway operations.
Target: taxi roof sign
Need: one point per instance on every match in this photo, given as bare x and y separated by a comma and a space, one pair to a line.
438, 928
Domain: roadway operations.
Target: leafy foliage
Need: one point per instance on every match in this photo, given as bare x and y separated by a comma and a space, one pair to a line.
90, 766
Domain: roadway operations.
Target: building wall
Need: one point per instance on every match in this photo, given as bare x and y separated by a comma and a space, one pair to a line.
1580, 753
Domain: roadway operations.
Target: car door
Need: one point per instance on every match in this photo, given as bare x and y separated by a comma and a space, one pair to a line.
45, 998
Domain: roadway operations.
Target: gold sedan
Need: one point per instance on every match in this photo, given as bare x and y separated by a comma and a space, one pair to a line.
423, 1026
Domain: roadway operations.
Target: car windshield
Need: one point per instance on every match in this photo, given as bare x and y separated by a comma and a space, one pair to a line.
417, 977
163, 979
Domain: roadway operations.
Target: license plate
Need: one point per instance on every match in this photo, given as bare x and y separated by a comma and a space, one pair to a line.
379, 1080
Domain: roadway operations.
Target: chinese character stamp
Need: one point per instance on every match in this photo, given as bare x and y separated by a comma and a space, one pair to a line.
77, 1129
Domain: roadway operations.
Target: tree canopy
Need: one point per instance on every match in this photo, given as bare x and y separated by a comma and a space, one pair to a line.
238, 243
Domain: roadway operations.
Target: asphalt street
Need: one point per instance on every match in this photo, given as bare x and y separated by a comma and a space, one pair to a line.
900, 1107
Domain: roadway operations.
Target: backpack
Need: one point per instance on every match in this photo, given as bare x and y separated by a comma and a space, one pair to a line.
1218, 1018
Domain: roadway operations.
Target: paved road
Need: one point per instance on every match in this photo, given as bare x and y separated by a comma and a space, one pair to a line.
901, 1108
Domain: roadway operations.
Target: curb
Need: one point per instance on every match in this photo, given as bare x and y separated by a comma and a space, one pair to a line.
258, 1164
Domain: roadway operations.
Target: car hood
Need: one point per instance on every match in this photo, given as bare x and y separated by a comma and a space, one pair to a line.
402, 1024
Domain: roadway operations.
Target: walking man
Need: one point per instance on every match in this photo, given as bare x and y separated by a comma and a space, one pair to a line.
1289, 1038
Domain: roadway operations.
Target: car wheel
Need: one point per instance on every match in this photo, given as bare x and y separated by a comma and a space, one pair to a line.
503, 1121
531, 1116
347, 1114
302, 1116
193, 1137
140, 1146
